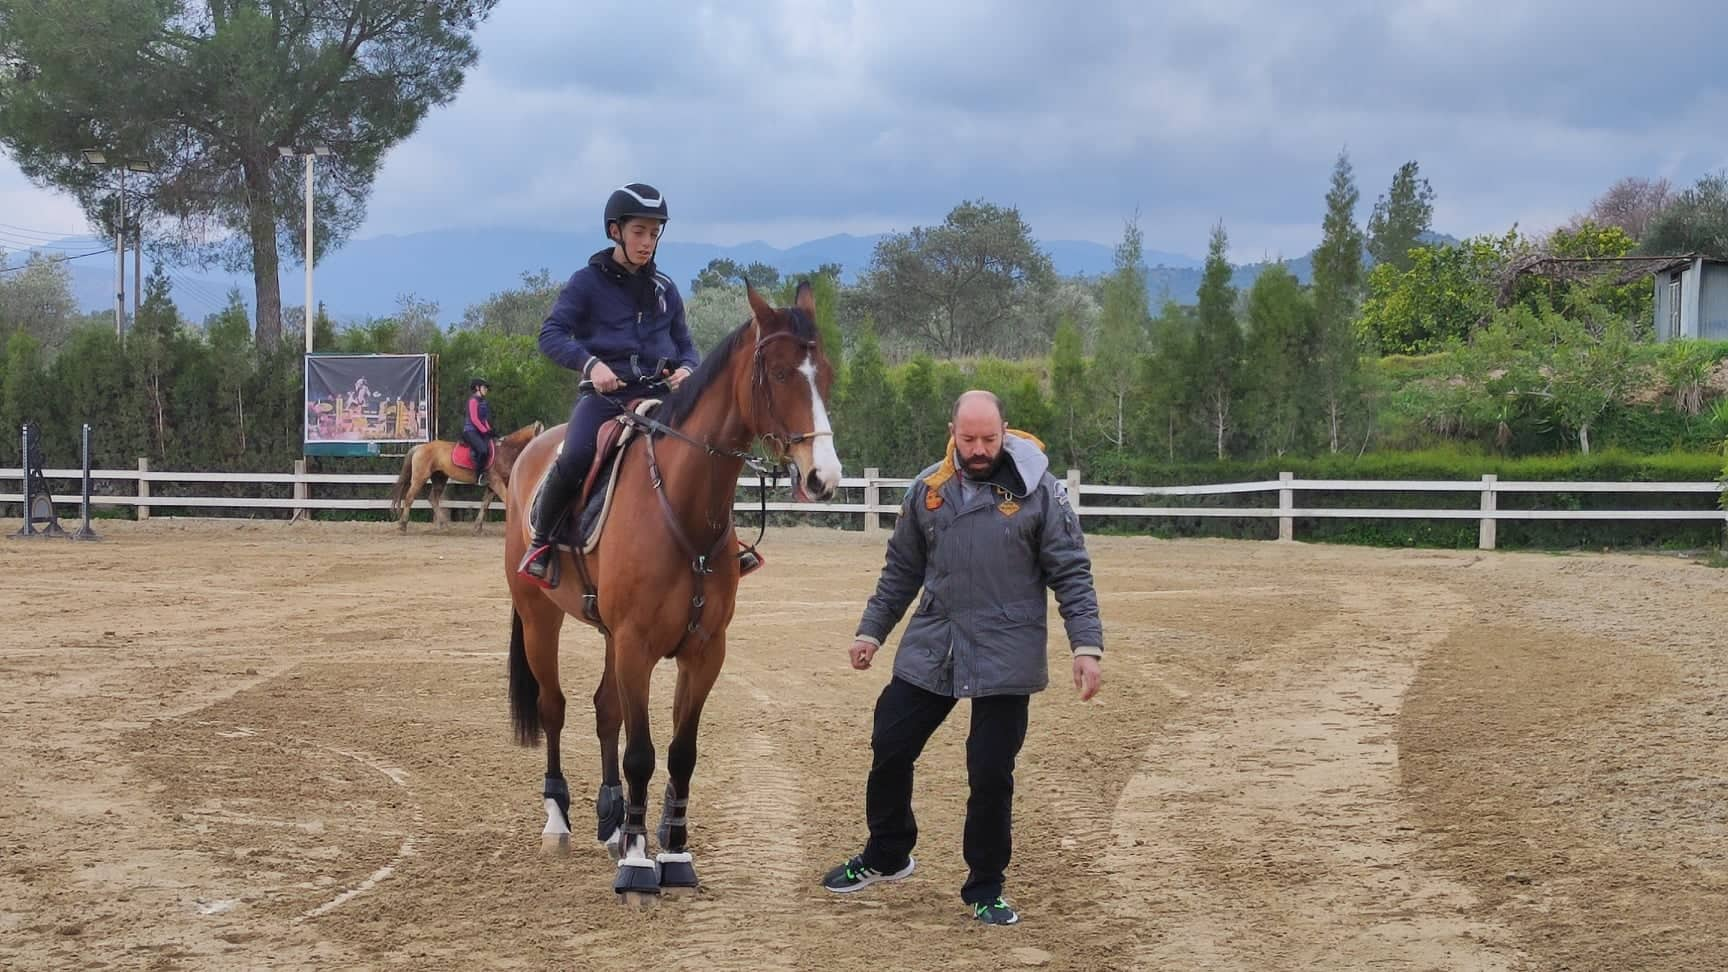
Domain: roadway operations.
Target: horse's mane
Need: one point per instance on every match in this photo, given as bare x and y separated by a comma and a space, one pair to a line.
523, 435
677, 406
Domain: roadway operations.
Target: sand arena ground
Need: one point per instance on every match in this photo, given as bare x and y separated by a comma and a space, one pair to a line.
235, 745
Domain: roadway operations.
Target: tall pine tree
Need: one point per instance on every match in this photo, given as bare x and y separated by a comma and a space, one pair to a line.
1217, 346
1400, 217
1280, 399
1068, 390
1337, 290
1122, 334
1165, 385
152, 347
870, 407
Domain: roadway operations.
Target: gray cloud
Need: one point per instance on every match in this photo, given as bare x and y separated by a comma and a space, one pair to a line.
786, 119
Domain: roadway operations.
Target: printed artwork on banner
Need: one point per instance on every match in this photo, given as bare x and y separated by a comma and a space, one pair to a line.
368, 398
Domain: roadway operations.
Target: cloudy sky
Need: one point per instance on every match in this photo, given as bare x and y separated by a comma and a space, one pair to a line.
784, 120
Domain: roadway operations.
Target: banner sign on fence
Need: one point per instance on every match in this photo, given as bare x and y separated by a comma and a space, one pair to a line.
357, 402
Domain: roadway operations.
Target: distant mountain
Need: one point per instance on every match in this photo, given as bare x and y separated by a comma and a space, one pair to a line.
1083, 257
458, 268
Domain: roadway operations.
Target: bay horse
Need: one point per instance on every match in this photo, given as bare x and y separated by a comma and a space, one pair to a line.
666, 575
433, 461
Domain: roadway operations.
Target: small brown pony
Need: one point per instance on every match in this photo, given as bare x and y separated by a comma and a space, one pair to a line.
431, 461
666, 576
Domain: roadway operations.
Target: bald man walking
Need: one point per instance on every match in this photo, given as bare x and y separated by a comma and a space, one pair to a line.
985, 532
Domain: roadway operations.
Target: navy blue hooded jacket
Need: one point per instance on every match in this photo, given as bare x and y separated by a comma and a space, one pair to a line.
627, 320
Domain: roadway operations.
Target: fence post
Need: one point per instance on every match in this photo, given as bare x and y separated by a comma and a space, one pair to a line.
143, 488
1485, 537
1286, 503
85, 532
872, 500
302, 490
28, 529
29, 481
1073, 480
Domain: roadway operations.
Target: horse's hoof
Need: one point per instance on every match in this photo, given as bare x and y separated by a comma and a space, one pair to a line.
637, 877
677, 874
555, 836
615, 846
638, 900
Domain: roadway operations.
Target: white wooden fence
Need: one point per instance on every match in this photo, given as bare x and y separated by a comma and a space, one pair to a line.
299, 486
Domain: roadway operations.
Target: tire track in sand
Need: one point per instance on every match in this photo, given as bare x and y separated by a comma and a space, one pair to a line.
1268, 831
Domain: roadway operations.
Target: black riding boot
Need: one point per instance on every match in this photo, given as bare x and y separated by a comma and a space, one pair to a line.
550, 501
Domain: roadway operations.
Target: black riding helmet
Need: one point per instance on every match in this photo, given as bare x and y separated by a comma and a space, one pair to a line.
478, 383
632, 201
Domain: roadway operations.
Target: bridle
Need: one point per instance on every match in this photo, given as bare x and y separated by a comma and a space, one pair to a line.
782, 443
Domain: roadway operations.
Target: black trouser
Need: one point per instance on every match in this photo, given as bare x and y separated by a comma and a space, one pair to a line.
480, 446
569, 471
906, 717
581, 437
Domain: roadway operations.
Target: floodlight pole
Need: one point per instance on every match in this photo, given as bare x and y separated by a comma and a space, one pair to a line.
120, 261
309, 318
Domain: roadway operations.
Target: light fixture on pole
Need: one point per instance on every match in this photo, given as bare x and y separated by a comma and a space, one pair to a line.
309, 152
98, 157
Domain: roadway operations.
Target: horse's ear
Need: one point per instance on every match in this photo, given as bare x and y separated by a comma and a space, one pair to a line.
806, 299
759, 308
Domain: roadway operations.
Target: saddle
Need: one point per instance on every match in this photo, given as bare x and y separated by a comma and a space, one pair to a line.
594, 502
463, 456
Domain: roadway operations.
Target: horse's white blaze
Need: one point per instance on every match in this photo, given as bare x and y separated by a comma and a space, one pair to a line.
827, 460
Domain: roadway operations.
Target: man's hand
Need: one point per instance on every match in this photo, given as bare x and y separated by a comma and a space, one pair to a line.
676, 378
861, 652
1086, 676
603, 378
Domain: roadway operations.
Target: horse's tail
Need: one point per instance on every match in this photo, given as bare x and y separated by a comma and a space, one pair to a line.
524, 688
402, 483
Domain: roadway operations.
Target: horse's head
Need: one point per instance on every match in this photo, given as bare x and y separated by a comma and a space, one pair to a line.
783, 395
511, 446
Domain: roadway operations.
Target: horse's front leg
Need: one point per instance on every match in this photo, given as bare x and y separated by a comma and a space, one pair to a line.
608, 718
638, 880
697, 671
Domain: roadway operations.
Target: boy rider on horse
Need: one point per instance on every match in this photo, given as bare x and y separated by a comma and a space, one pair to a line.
618, 321
477, 427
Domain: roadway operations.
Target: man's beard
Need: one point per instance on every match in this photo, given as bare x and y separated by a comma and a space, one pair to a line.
983, 471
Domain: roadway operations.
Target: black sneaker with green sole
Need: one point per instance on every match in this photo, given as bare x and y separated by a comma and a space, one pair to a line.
997, 912
854, 876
